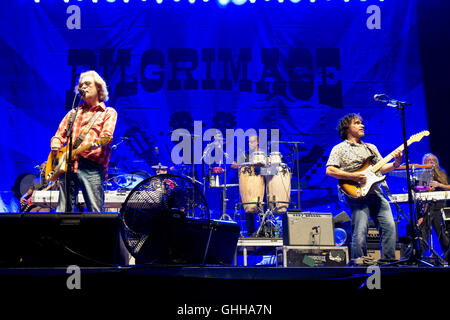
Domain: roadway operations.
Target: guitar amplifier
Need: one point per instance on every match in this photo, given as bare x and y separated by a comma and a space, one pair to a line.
308, 229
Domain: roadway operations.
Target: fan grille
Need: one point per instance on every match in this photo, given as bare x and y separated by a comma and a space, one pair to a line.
152, 208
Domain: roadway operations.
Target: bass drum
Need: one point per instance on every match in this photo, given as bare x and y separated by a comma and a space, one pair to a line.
128, 181
251, 187
279, 189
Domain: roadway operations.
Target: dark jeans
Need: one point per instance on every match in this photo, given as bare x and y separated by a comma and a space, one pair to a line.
374, 206
434, 219
91, 179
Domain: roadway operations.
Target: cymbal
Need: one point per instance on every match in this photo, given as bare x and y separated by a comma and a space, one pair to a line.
160, 167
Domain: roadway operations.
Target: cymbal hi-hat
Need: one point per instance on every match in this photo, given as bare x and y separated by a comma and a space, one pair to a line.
160, 167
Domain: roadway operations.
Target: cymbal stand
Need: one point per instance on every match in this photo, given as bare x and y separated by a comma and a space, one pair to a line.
207, 150
224, 191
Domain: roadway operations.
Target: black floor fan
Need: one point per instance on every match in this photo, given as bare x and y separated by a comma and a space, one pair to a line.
165, 220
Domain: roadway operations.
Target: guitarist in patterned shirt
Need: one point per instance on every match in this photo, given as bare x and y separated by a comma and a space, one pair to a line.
92, 121
347, 157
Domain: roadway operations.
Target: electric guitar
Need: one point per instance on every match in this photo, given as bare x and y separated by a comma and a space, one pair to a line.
27, 206
57, 164
357, 190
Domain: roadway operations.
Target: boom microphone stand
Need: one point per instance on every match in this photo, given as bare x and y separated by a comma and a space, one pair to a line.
69, 162
414, 257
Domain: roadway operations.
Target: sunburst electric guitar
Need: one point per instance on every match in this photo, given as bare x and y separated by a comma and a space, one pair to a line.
373, 176
57, 164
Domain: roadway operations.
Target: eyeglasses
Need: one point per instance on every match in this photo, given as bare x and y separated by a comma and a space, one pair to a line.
87, 83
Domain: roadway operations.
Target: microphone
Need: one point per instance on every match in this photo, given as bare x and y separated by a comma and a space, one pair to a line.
390, 102
82, 92
380, 97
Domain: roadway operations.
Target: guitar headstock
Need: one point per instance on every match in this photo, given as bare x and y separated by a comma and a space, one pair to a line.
103, 140
418, 136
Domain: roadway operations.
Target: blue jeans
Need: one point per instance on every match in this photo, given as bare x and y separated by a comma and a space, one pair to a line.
91, 179
374, 206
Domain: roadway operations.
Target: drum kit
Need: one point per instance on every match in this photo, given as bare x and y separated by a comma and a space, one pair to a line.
265, 181
264, 186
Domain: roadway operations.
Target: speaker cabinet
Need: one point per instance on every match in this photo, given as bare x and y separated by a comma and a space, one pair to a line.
59, 239
192, 241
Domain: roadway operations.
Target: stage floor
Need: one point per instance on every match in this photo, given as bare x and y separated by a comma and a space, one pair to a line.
281, 287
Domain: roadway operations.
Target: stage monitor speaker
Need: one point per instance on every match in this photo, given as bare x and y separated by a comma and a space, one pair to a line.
59, 239
193, 241
308, 228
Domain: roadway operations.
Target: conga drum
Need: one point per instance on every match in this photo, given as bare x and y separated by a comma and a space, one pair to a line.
279, 189
258, 158
275, 158
251, 187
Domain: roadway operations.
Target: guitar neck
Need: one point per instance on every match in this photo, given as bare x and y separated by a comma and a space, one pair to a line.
80, 149
388, 158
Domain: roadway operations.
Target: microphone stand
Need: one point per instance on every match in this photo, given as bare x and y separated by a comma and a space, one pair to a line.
68, 175
416, 250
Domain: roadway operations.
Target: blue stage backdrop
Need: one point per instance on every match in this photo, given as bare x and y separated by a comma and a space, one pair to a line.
296, 67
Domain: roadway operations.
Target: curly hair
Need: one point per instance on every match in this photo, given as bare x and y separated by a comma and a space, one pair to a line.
345, 122
99, 83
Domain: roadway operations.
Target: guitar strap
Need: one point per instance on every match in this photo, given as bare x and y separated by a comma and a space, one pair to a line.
85, 130
371, 151
383, 183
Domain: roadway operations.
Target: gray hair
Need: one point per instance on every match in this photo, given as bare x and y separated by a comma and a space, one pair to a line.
99, 83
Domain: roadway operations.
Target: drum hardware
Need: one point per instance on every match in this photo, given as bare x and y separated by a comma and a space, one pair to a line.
268, 227
295, 149
122, 140
160, 169
278, 188
272, 180
126, 181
